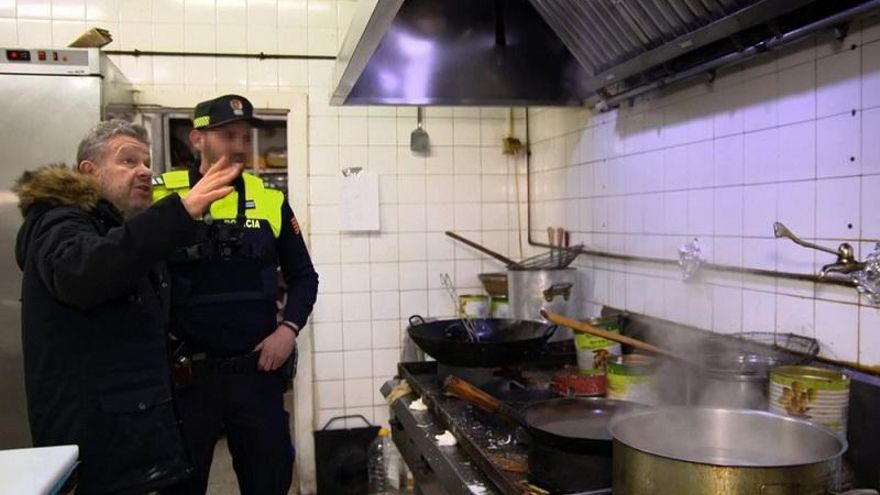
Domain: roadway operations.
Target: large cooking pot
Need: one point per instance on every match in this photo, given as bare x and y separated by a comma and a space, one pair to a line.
499, 342
722, 451
568, 438
529, 291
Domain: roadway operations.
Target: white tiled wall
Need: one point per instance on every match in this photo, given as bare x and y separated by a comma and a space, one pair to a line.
792, 137
372, 282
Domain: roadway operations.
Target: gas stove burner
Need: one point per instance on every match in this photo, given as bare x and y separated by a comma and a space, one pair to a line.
484, 378
508, 384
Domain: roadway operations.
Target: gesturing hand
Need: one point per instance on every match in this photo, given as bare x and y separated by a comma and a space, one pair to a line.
215, 184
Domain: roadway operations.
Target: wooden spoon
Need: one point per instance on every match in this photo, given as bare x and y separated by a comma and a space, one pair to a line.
605, 334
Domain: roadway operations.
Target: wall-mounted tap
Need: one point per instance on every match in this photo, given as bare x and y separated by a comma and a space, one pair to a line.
846, 262
865, 274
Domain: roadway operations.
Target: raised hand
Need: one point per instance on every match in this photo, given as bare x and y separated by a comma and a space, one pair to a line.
215, 184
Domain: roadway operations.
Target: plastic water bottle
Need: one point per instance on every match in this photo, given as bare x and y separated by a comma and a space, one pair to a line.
377, 472
394, 466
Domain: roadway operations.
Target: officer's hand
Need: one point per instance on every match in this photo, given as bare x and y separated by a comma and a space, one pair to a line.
215, 184
275, 349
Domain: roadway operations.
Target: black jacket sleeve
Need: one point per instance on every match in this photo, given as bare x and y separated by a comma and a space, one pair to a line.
84, 268
297, 270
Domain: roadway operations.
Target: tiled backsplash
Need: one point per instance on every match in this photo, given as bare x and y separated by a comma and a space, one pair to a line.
371, 283
793, 137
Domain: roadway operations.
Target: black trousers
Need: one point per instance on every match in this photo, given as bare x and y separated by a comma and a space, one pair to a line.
249, 407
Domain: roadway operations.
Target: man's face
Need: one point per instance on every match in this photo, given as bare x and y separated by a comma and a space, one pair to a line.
233, 140
123, 177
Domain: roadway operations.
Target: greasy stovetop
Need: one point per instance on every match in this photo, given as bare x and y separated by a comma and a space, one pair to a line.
494, 444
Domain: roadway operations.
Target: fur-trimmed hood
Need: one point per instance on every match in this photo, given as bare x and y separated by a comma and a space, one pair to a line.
55, 185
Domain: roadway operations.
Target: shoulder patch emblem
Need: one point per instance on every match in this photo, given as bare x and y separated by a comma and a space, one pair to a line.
158, 181
295, 226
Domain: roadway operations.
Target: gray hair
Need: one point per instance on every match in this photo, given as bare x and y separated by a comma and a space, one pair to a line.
91, 148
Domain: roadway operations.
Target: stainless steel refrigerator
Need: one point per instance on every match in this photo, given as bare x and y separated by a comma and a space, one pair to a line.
49, 99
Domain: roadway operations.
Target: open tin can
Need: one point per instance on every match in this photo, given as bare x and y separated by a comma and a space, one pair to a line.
632, 377
820, 395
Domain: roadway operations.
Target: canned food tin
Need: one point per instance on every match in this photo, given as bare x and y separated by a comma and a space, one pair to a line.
474, 305
593, 352
499, 307
569, 382
632, 377
817, 394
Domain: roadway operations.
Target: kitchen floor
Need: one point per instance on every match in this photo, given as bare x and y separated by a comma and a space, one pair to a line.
223, 482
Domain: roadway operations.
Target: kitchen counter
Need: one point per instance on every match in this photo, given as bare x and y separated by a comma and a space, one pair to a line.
37, 471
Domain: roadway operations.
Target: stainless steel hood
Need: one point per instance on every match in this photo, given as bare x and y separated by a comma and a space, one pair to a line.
553, 52
454, 52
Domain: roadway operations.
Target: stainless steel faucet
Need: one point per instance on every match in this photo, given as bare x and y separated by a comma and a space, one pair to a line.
846, 262
865, 274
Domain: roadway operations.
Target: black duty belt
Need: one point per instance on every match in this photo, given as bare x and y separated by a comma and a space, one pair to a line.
189, 370
246, 363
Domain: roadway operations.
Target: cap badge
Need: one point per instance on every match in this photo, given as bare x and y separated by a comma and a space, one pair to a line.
237, 106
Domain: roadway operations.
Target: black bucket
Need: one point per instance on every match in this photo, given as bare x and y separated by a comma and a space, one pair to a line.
341, 457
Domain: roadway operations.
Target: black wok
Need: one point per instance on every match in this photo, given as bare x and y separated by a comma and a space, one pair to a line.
499, 342
569, 440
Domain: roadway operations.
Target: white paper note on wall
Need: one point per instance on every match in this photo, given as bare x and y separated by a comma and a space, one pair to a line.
359, 202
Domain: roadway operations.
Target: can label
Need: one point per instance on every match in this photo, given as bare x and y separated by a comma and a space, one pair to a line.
817, 394
594, 352
474, 306
499, 307
632, 378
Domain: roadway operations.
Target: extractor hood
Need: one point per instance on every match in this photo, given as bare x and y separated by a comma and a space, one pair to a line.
557, 52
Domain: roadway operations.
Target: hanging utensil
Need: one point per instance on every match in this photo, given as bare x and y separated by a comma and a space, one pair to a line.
418, 140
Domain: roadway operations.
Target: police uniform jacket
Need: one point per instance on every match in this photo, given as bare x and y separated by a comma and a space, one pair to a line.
94, 304
225, 280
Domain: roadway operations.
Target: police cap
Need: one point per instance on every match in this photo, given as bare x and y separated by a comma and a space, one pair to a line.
223, 110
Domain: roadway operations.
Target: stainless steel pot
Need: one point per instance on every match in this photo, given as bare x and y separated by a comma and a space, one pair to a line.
733, 390
731, 380
722, 451
530, 290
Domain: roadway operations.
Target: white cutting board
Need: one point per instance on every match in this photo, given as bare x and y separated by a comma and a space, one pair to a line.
37, 471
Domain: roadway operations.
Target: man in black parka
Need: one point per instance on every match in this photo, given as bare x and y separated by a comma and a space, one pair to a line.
95, 309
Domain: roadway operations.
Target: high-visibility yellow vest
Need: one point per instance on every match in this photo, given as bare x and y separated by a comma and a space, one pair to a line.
261, 203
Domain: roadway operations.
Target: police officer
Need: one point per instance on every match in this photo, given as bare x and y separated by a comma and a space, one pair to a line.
224, 292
